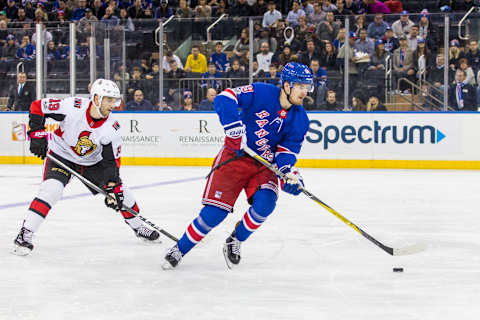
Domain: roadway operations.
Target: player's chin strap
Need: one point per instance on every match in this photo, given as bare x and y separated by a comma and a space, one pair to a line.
288, 94
98, 108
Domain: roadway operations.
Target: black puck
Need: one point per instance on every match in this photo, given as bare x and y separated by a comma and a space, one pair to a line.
397, 269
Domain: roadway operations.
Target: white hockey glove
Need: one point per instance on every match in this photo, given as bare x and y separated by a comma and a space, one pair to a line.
292, 182
236, 138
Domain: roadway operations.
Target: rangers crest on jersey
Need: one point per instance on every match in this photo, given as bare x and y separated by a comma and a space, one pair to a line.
85, 145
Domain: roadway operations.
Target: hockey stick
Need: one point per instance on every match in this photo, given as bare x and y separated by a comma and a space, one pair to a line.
101, 191
392, 251
221, 164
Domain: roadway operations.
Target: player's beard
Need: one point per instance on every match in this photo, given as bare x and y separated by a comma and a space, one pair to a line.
104, 111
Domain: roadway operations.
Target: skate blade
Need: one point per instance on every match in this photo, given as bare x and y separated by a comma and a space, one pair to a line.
167, 266
152, 242
230, 265
20, 251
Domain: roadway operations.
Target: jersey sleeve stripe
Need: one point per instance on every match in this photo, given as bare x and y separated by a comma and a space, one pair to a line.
229, 94
232, 125
282, 149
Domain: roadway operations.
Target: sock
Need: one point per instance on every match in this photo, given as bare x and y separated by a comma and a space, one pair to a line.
263, 204
251, 221
209, 218
36, 214
133, 221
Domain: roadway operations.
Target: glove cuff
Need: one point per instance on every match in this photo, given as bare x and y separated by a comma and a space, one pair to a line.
37, 134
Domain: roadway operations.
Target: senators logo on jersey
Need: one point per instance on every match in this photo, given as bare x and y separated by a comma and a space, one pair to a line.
84, 145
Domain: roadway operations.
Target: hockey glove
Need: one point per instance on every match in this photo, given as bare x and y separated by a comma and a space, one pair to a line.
236, 138
115, 198
38, 142
292, 182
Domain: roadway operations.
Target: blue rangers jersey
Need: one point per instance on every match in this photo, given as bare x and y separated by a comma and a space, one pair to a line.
273, 132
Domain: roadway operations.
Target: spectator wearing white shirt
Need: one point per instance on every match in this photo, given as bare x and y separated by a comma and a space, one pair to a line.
294, 14
264, 57
402, 26
271, 17
46, 35
413, 38
168, 58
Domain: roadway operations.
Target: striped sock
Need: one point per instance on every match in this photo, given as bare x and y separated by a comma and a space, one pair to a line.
251, 221
195, 232
36, 214
133, 221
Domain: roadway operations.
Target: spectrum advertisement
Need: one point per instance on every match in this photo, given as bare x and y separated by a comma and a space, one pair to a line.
184, 138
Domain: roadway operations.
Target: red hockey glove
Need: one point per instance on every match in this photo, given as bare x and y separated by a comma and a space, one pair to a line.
38, 142
115, 198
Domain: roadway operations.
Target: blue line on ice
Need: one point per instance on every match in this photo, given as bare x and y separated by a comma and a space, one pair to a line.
80, 195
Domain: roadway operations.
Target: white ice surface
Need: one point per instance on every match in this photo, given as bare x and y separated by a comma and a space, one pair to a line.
303, 263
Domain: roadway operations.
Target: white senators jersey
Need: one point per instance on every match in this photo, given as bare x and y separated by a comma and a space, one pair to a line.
79, 138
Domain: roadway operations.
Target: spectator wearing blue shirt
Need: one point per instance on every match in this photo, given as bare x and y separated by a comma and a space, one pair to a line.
79, 13
52, 51
207, 103
319, 81
211, 77
164, 11
109, 18
319, 73
364, 44
26, 51
294, 14
273, 77
139, 103
271, 17
377, 28
219, 58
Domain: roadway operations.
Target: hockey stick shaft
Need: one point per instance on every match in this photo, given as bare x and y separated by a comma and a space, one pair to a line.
101, 191
221, 164
280, 174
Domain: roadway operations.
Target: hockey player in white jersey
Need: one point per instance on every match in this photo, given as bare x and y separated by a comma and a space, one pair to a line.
89, 142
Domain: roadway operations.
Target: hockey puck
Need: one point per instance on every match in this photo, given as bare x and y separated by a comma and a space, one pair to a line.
397, 269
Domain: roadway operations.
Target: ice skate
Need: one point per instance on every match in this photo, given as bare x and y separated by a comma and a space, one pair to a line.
147, 235
23, 243
172, 258
231, 251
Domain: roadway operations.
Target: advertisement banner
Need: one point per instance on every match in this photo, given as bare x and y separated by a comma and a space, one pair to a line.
390, 136
198, 135
423, 140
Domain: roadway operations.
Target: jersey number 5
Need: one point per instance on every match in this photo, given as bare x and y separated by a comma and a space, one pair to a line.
53, 104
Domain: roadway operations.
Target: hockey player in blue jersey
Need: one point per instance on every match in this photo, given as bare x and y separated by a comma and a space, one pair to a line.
272, 122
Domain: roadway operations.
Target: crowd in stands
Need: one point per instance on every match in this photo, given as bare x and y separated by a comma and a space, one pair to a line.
309, 31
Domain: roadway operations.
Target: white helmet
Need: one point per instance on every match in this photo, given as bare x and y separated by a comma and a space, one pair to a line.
104, 88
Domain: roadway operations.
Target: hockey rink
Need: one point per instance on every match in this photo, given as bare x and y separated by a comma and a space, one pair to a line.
303, 263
